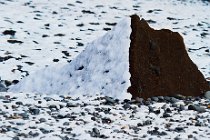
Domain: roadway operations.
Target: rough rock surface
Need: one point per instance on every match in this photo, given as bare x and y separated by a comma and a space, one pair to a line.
160, 65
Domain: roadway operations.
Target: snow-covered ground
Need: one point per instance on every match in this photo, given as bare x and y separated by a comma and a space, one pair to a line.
54, 32
46, 33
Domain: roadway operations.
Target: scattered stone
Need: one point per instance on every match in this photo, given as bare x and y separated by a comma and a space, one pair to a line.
181, 108
147, 122
196, 108
87, 12
13, 41
95, 133
155, 99
161, 99
156, 132
33, 134
126, 106
179, 129
66, 123
19, 103
16, 138
34, 111
25, 116
45, 35
166, 115
41, 120
151, 109
80, 44
29, 63
44, 131
69, 104
168, 110
55, 60
9, 32
179, 96
59, 34
109, 100
48, 98
106, 29
2, 87
207, 94
106, 120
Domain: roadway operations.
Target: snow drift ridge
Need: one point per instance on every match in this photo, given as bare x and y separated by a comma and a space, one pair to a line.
102, 68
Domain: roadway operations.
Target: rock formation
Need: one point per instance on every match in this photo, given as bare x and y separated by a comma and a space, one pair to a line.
160, 65
131, 58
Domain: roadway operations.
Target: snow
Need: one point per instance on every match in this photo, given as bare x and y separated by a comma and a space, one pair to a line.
69, 16
102, 68
30, 20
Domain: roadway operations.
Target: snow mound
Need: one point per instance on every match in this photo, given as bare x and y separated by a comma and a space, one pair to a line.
102, 68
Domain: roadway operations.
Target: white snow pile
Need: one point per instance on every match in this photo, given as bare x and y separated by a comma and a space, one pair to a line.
102, 68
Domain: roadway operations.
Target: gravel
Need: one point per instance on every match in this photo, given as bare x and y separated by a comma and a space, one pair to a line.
102, 117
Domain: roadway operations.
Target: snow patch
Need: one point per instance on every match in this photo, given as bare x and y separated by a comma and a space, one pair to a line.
102, 68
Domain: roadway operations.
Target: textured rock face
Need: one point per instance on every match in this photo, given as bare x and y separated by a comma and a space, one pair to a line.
160, 65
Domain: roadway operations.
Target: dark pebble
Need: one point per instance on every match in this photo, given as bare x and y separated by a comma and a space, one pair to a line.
151, 109
53, 107
196, 108
41, 120
181, 107
59, 34
6, 101
33, 134
19, 123
95, 132
44, 35
140, 101
207, 94
16, 138
9, 32
66, 123
179, 129
55, 60
198, 123
14, 41
103, 136
19, 103
126, 106
173, 100
179, 96
109, 100
156, 132
190, 136
25, 116
147, 103
34, 111
155, 99
161, 99
106, 120
65, 138
147, 122
157, 111
44, 131
166, 115
71, 105
48, 98
168, 110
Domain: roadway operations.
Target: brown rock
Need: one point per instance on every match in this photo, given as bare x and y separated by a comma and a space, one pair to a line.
160, 65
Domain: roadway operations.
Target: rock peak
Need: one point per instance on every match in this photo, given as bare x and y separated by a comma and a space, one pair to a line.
160, 65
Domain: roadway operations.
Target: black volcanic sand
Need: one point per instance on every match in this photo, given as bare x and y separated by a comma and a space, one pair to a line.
160, 65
